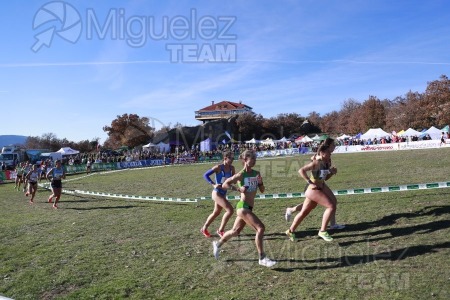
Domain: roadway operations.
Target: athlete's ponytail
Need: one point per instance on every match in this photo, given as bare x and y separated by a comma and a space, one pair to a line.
325, 144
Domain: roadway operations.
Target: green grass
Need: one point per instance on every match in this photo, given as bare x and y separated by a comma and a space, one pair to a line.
396, 245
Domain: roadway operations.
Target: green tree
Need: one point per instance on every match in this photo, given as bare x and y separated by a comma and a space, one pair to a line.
50, 141
162, 134
289, 124
249, 126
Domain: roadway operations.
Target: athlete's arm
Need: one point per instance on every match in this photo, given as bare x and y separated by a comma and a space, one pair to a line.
308, 167
228, 184
261, 186
48, 174
208, 173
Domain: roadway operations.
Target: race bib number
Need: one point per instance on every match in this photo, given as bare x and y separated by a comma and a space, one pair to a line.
324, 173
251, 183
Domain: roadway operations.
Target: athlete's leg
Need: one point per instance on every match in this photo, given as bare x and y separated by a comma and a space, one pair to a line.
307, 206
322, 199
253, 221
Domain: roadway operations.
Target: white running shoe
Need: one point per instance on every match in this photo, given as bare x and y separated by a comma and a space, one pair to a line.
288, 214
267, 262
216, 249
336, 226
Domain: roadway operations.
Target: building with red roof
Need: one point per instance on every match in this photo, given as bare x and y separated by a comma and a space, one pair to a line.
222, 110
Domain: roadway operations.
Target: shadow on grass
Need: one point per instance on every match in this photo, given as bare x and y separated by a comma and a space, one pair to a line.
394, 255
396, 232
352, 260
391, 220
101, 207
346, 260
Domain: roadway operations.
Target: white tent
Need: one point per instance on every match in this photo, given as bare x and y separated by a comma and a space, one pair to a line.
149, 145
343, 137
268, 141
68, 151
434, 133
252, 141
282, 140
163, 147
316, 138
410, 132
374, 133
306, 139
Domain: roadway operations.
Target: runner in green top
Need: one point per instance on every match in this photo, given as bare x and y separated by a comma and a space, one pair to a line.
249, 182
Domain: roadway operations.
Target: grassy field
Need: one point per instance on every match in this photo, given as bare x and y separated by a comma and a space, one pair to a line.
395, 246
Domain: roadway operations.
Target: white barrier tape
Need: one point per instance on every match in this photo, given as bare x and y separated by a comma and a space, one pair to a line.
132, 197
385, 189
120, 196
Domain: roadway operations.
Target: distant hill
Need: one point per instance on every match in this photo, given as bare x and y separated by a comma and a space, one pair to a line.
6, 140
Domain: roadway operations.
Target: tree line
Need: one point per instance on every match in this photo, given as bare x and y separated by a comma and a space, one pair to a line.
413, 110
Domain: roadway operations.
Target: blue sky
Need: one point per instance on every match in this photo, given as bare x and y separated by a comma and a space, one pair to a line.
277, 57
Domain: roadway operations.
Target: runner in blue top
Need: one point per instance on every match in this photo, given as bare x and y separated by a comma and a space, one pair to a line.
222, 172
55, 175
249, 181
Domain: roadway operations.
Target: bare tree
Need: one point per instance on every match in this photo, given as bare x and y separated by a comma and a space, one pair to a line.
128, 130
437, 102
348, 121
329, 122
373, 113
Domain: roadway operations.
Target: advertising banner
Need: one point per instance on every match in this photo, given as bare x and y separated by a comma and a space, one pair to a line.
11, 175
139, 164
282, 152
428, 144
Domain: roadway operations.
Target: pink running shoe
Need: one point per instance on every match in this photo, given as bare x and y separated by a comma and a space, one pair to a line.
220, 233
205, 232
